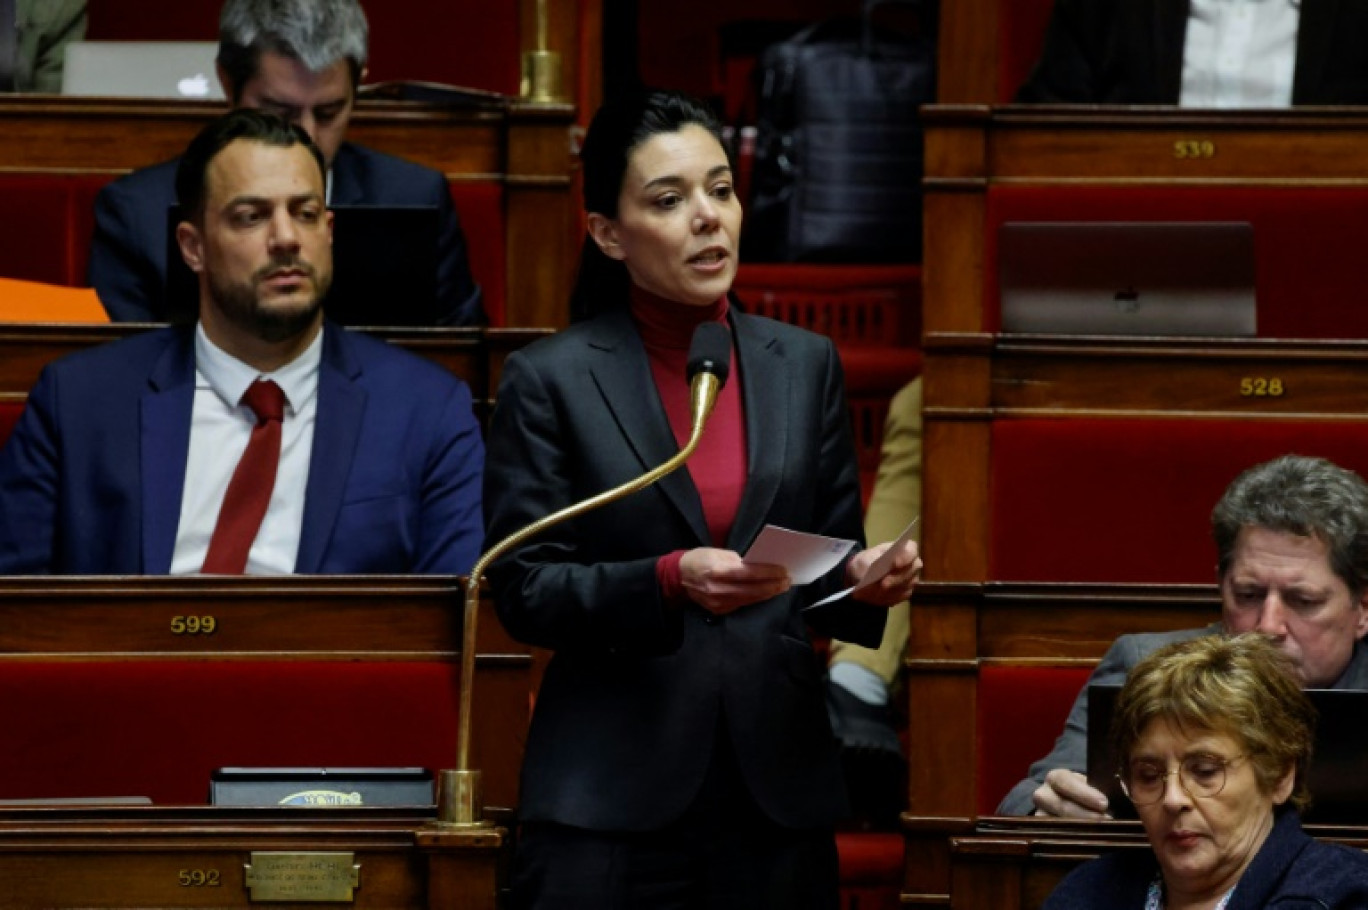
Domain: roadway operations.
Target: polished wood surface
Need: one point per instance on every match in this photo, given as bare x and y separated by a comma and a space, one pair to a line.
297, 617
475, 355
524, 147
967, 65
1014, 863
974, 377
133, 856
156, 857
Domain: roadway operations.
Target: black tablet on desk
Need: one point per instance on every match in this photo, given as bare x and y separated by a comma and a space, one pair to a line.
321, 787
384, 268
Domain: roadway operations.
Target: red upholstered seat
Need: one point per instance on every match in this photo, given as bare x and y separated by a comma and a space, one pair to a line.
1309, 270
1102, 500
159, 728
36, 211
1020, 712
481, 208
872, 312
878, 305
1021, 32
871, 866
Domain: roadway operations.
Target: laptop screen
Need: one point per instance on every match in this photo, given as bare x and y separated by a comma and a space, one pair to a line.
1336, 777
142, 69
384, 268
1128, 278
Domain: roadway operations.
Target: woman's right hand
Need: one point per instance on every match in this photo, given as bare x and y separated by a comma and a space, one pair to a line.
720, 582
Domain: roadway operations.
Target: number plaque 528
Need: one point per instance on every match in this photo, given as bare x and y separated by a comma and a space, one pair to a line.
1261, 387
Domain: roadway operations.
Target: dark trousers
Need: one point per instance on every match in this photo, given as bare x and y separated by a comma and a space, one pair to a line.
723, 854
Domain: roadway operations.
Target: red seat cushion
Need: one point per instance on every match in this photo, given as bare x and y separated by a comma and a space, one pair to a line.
1021, 33
481, 207
1120, 500
871, 865
1020, 712
159, 728
854, 305
36, 209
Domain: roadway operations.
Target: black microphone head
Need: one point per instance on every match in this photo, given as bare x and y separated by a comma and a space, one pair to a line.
710, 351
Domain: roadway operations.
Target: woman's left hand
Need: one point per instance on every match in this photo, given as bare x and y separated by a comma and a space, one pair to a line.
894, 587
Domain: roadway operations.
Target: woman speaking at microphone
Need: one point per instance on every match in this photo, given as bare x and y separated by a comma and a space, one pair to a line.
679, 754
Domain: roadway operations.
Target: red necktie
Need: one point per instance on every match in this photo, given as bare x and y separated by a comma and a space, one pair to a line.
249, 492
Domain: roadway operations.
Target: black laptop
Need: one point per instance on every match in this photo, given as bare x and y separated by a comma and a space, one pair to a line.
1338, 777
384, 267
321, 787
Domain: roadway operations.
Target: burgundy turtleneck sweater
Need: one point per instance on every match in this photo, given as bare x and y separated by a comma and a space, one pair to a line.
718, 466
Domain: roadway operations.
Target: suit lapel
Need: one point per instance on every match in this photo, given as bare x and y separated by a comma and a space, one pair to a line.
1315, 32
165, 415
622, 374
766, 399
337, 427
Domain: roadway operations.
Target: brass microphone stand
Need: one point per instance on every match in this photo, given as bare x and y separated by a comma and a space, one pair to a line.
459, 797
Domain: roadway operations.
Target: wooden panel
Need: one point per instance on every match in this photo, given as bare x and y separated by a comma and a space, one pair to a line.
475, 355
1016, 863
968, 60
1060, 624
276, 618
288, 618
975, 377
1175, 377
1174, 146
113, 135
136, 857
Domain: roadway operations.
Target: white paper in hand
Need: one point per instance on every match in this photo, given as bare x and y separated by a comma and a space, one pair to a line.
877, 569
807, 557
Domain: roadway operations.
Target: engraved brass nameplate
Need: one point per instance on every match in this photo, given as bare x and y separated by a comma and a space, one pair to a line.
303, 877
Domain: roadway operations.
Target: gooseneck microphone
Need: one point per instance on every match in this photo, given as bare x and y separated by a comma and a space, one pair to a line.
458, 791
709, 365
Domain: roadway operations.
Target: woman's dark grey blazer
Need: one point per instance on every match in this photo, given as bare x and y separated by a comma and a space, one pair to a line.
628, 711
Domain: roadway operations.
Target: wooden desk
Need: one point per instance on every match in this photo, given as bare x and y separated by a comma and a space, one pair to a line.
523, 148
154, 857
1014, 863
976, 378
475, 355
107, 857
1011, 624
352, 619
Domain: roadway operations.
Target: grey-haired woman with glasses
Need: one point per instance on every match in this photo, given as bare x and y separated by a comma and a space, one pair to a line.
1215, 736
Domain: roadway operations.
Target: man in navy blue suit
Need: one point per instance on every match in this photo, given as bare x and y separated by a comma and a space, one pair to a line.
302, 60
126, 453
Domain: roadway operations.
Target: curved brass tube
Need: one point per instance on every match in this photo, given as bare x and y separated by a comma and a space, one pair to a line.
458, 800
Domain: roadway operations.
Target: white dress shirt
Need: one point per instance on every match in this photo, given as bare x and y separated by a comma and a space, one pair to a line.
219, 430
1240, 53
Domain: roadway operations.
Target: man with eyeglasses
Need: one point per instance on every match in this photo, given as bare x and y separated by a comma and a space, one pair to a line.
1292, 542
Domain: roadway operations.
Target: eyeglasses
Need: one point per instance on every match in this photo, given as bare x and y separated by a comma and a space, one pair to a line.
1200, 776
